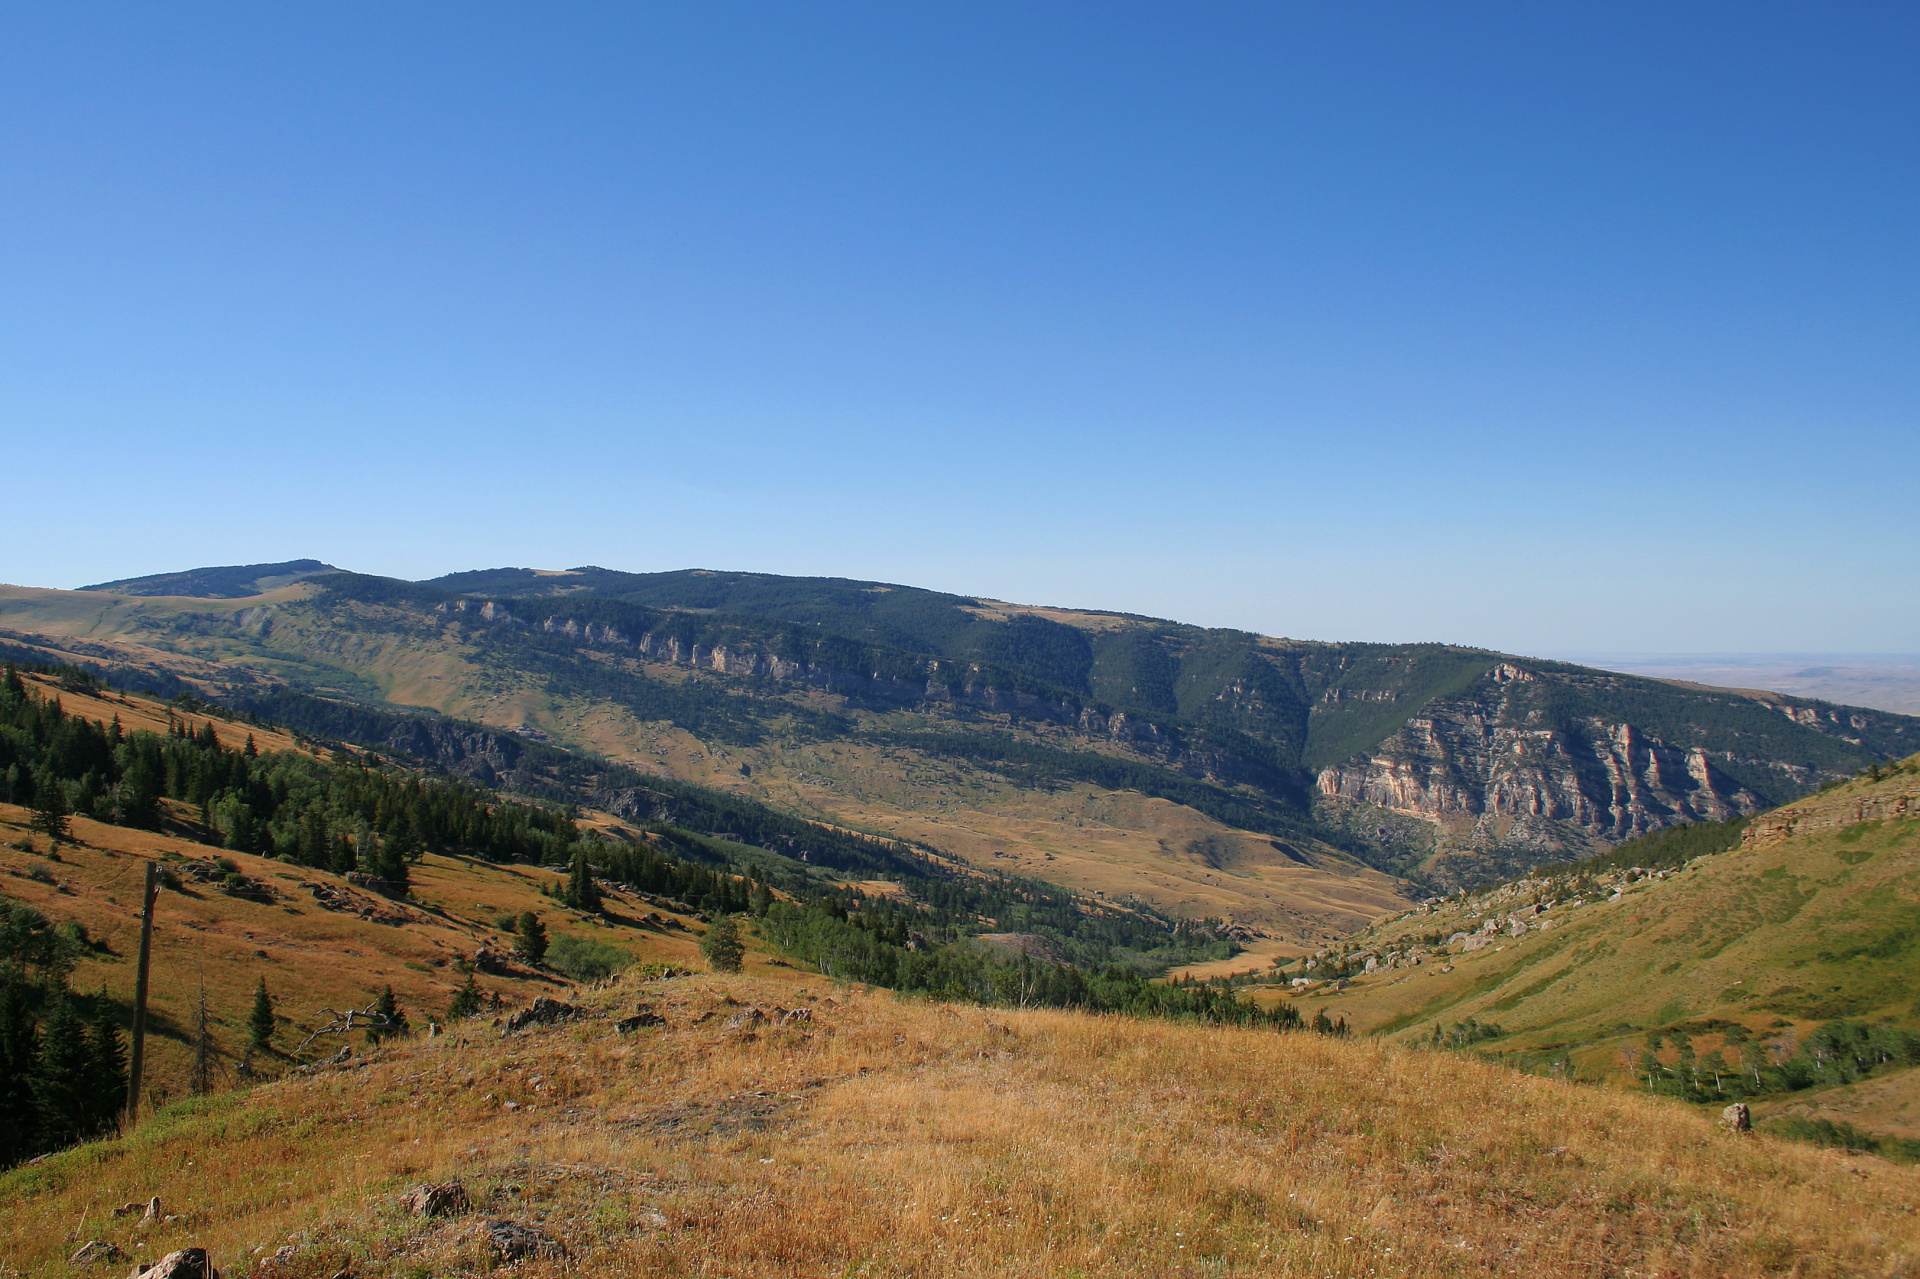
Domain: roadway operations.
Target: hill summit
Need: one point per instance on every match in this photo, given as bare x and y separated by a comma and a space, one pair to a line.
221, 582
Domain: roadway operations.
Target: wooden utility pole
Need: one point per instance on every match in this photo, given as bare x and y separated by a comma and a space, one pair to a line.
147, 897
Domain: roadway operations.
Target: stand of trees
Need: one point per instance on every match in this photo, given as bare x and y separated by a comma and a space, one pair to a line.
63, 1060
343, 816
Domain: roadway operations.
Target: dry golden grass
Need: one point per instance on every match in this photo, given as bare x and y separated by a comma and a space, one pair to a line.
137, 713
313, 959
894, 1139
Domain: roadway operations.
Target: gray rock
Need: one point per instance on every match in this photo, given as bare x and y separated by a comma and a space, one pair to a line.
95, 1251
1737, 1118
514, 1240
187, 1263
543, 1011
642, 1016
436, 1199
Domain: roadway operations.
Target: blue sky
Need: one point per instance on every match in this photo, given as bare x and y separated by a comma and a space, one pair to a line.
1543, 327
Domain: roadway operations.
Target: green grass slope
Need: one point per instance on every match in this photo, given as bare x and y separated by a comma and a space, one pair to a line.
1812, 917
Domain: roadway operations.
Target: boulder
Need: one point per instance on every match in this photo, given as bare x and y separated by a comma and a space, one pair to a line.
187, 1263
1737, 1118
514, 1240
95, 1251
645, 1017
542, 1011
436, 1199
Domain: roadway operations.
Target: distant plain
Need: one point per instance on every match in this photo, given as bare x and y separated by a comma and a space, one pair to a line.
1883, 681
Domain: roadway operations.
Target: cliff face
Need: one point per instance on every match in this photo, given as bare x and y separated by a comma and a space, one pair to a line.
1519, 767
934, 680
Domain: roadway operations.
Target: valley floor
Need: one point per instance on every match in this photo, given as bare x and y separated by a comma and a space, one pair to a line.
872, 1136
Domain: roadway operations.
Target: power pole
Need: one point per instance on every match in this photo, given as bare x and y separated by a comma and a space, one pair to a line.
147, 896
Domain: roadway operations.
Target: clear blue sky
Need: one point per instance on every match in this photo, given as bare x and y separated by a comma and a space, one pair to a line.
1543, 327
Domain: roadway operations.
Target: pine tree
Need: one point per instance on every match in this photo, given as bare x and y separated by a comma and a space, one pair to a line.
761, 899
19, 1061
260, 1021
531, 940
722, 947
466, 1001
389, 1020
50, 809
390, 861
107, 1067
582, 893
60, 1078
343, 857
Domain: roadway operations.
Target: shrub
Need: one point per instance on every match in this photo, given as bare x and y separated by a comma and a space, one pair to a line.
586, 958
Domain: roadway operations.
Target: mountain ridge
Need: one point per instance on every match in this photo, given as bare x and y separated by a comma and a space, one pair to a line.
1436, 762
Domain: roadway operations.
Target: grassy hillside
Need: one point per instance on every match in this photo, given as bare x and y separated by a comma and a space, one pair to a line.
320, 942
1643, 965
886, 1138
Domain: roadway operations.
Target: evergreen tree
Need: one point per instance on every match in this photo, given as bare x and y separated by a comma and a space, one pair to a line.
531, 938
19, 1061
50, 809
761, 898
260, 1021
390, 862
107, 1068
722, 947
466, 1001
61, 1076
582, 893
139, 799
389, 1021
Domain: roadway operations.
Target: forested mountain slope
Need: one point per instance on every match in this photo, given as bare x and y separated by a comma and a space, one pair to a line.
1216, 772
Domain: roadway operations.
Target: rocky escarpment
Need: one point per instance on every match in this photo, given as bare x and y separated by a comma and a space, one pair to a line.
1850, 807
937, 680
1509, 767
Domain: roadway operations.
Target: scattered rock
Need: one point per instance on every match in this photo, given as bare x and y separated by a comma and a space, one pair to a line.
187, 1263
153, 1216
514, 1240
656, 1220
1737, 1118
436, 1199
492, 962
543, 1011
642, 1016
746, 1020
798, 1014
127, 1210
95, 1251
